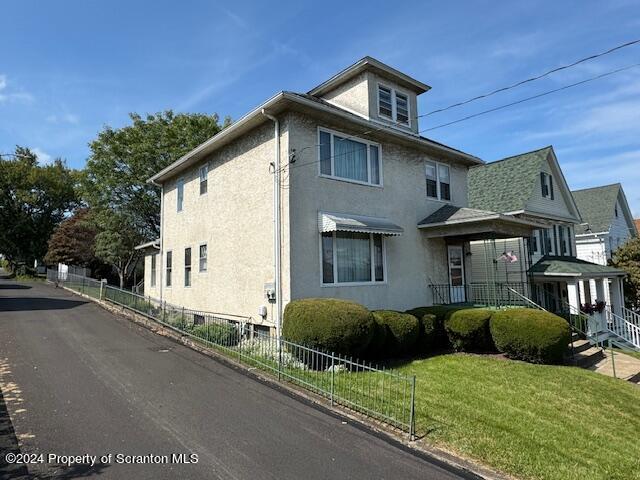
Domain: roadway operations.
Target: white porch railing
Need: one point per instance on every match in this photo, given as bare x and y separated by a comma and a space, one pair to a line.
630, 316
624, 329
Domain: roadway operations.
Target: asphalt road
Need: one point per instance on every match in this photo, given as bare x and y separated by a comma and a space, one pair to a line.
78, 380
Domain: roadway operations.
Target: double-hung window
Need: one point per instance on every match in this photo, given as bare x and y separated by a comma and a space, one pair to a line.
179, 194
546, 185
169, 268
204, 172
393, 105
153, 269
202, 265
187, 267
438, 181
352, 258
349, 158
535, 246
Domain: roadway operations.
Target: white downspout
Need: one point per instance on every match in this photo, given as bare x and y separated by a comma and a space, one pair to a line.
161, 266
277, 248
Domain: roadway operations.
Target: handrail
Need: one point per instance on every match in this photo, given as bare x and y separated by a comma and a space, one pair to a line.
527, 299
630, 316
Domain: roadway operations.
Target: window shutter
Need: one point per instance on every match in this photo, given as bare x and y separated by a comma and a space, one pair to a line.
551, 185
543, 184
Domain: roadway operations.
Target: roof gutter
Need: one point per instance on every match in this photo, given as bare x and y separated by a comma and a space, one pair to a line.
231, 130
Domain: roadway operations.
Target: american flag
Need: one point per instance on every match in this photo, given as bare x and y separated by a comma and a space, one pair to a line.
508, 257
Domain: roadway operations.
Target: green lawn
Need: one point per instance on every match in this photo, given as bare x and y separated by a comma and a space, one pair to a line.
532, 421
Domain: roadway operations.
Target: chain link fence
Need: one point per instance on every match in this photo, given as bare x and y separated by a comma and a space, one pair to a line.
379, 393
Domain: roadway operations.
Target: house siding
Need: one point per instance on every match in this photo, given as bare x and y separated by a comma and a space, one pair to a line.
412, 260
558, 206
235, 219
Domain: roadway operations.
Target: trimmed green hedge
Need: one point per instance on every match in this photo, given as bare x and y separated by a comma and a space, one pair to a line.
221, 334
329, 324
432, 333
531, 335
468, 330
402, 332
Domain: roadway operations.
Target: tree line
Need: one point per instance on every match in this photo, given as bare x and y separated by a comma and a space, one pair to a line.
95, 216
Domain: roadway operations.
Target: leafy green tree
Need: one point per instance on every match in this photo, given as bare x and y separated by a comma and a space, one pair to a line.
115, 242
627, 258
122, 160
34, 199
73, 242
115, 179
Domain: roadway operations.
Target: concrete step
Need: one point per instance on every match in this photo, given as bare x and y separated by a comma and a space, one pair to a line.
575, 336
588, 357
581, 345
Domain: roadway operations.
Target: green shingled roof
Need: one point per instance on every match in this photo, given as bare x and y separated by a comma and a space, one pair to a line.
597, 206
507, 184
571, 266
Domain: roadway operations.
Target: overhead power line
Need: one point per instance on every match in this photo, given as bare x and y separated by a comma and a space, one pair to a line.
468, 117
532, 79
533, 97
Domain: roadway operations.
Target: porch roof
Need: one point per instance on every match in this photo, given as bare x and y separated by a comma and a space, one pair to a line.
344, 222
473, 224
551, 266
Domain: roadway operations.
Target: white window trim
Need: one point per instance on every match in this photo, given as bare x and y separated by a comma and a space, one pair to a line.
165, 269
179, 182
206, 179
356, 139
199, 258
184, 267
154, 270
547, 184
355, 284
437, 165
394, 107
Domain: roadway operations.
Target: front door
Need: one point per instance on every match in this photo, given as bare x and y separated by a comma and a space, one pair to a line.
456, 274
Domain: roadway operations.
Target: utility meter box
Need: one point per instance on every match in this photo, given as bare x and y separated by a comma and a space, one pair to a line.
270, 292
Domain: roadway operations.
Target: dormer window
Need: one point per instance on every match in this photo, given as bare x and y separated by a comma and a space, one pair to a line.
546, 184
393, 105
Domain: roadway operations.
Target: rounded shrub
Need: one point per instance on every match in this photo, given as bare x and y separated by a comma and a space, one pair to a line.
329, 324
221, 334
432, 333
468, 330
532, 335
376, 348
402, 332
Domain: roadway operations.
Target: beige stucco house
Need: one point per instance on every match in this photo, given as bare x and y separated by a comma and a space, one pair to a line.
355, 193
334, 193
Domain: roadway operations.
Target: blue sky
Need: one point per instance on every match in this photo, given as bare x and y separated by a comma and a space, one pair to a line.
68, 68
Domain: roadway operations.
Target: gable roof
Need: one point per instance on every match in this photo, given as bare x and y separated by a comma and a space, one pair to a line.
506, 185
283, 101
597, 207
369, 63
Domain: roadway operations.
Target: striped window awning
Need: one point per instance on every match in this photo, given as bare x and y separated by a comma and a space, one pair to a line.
343, 222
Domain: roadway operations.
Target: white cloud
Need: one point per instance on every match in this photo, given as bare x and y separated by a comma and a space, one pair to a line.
43, 157
63, 118
7, 95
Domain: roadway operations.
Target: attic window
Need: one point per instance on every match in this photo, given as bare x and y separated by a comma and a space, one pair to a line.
546, 184
393, 105
616, 210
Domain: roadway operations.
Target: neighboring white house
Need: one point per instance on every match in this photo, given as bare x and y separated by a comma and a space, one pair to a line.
607, 222
356, 191
543, 267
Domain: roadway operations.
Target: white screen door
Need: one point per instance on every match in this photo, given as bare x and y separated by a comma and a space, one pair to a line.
456, 274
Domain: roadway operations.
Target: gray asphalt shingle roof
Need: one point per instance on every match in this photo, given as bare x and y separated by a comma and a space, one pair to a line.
597, 206
550, 265
506, 185
450, 213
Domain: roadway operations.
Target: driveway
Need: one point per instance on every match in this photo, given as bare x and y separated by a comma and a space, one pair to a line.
78, 380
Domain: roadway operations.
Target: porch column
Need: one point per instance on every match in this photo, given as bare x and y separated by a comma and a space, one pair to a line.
582, 298
592, 290
617, 299
600, 294
573, 296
